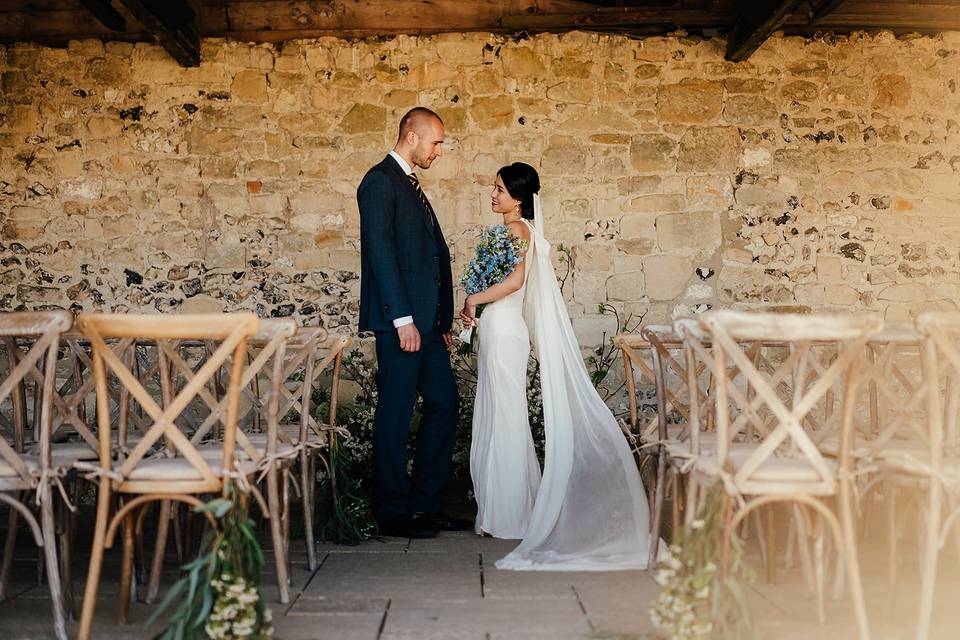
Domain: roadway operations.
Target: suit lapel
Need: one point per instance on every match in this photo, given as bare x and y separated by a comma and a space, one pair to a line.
428, 217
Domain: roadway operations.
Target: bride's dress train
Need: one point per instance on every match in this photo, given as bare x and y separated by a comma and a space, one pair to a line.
590, 511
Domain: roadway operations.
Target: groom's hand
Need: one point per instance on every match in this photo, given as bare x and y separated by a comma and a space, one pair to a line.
409, 338
448, 339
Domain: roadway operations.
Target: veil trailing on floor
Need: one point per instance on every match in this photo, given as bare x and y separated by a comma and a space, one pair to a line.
591, 511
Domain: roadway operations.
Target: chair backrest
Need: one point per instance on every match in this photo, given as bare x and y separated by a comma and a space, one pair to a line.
316, 354
779, 417
894, 406
266, 352
29, 338
672, 377
941, 384
231, 331
640, 365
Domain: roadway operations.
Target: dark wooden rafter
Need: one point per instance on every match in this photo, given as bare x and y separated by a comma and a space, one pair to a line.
173, 23
106, 14
822, 10
756, 20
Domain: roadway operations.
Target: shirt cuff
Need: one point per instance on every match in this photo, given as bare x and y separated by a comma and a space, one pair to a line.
405, 320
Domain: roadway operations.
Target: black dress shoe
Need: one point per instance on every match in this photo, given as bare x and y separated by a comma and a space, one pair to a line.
443, 522
407, 527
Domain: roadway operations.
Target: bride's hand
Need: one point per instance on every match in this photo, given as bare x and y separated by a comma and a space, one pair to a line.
468, 315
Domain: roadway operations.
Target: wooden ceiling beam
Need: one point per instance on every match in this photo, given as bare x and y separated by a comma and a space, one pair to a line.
756, 20
901, 17
55, 22
106, 14
822, 10
173, 23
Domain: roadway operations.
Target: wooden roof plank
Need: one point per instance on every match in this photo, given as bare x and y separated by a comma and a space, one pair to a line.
756, 20
174, 24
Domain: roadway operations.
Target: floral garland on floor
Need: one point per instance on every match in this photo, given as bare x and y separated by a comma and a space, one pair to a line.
219, 594
697, 600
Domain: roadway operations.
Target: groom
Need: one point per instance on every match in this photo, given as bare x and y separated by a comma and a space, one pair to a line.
406, 299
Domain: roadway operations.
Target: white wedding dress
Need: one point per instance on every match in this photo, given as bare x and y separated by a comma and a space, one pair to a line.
590, 511
503, 462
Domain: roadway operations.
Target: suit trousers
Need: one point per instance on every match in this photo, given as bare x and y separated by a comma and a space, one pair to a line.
401, 376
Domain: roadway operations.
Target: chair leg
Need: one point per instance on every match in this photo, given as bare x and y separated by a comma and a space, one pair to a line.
771, 545
848, 546
160, 547
178, 542
930, 554
657, 509
126, 572
52, 564
96, 561
285, 520
276, 533
306, 494
9, 544
818, 566
678, 497
65, 537
761, 536
892, 564
803, 535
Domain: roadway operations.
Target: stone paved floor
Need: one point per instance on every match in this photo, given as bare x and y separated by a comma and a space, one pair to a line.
447, 588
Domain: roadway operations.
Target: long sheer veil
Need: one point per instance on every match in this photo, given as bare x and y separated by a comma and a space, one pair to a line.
591, 511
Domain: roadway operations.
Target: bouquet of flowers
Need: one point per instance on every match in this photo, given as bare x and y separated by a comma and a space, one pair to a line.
498, 253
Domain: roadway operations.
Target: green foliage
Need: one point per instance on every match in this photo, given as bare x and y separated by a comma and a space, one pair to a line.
219, 593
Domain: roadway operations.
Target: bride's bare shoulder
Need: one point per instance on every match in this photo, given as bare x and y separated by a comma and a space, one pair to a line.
519, 229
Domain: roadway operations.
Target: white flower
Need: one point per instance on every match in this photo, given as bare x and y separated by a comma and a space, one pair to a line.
696, 524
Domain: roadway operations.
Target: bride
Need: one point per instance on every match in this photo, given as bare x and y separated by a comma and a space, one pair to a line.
589, 511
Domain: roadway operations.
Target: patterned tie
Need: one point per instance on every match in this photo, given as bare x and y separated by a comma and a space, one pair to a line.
423, 198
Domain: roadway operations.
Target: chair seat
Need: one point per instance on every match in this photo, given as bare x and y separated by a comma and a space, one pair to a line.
179, 469
913, 458
214, 450
831, 446
773, 469
7, 470
64, 454
680, 450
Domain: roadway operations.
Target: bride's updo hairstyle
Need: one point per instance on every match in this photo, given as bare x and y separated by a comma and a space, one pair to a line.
521, 181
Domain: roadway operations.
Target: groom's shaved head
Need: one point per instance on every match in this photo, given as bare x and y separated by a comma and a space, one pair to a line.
421, 136
417, 120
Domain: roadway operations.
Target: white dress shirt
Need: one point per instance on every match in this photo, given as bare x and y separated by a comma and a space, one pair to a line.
405, 167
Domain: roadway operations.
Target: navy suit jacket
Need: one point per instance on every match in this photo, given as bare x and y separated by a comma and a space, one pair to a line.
404, 259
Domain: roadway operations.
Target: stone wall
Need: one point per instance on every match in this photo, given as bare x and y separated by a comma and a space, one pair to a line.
821, 174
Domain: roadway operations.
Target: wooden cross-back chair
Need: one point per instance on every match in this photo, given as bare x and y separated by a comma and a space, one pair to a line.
783, 464
178, 472
22, 472
267, 346
311, 353
924, 455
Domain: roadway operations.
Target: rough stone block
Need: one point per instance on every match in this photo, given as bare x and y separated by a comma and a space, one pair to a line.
653, 152
709, 149
692, 100
666, 276
626, 287
685, 232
